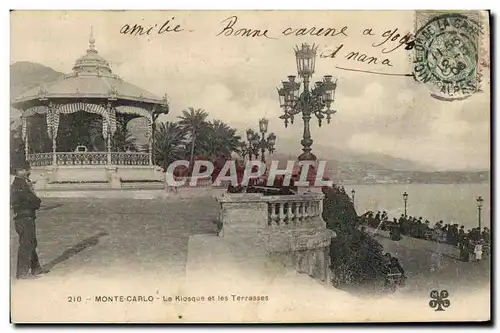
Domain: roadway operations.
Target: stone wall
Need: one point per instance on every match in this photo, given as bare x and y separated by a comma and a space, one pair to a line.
289, 228
110, 176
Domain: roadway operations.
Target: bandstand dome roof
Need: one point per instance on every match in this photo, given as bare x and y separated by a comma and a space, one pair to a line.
92, 78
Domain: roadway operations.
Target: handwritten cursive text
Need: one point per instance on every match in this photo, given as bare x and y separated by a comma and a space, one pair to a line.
320, 32
141, 30
392, 36
231, 30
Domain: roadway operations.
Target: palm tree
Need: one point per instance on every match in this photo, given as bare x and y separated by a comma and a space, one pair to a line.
218, 139
169, 144
156, 114
193, 122
96, 140
123, 140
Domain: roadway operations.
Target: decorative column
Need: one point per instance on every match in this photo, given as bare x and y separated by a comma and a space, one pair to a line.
24, 134
109, 149
150, 141
107, 135
54, 114
111, 118
110, 129
152, 124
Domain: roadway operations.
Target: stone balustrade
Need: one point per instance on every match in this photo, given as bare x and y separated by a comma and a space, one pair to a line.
290, 227
292, 212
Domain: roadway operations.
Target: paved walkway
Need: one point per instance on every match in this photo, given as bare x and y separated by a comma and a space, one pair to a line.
430, 265
109, 237
109, 247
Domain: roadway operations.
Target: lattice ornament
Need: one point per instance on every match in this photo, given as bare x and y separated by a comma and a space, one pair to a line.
149, 132
49, 118
55, 122
140, 112
112, 121
87, 107
25, 124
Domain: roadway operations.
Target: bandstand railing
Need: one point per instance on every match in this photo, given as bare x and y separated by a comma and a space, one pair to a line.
81, 158
120, 158
88, 158
40, 159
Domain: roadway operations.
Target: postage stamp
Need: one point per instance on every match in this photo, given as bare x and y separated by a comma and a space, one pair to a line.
446, 54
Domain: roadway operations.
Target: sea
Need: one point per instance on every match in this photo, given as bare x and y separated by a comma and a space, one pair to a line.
452, 203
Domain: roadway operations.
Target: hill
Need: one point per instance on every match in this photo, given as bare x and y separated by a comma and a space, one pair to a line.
25, 75
363, 172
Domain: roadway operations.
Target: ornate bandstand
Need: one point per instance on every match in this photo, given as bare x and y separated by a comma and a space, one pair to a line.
91, 95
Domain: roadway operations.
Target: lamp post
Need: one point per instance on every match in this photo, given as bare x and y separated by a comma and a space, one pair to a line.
316, 101
479, 208
258, 141
353, 193
405, 199
251, 149
265, 144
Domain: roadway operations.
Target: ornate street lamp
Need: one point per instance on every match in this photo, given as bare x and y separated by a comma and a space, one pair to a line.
258, 142
479, 208
353, 193
316, 101
265, 144
252, 149
405, 199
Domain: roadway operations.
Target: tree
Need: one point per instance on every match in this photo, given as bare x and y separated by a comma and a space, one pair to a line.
193, 122
123, 140
96, 140
156, 114
80, 129
356, 257
169, 144
38, 138
17, 154
218, 139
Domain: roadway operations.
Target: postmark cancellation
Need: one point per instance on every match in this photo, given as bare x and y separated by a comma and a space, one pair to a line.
448, 53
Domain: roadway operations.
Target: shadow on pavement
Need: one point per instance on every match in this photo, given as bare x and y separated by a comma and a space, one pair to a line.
75, 249
451, 256
50, 207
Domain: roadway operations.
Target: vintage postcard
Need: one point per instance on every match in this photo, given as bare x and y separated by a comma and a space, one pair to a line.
250, 166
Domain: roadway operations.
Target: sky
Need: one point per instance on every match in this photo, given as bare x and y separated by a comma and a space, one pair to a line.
234, 78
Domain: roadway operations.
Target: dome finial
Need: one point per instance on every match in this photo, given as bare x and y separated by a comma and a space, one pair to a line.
91, 39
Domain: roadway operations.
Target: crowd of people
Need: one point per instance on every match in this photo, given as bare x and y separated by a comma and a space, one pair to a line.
473, 243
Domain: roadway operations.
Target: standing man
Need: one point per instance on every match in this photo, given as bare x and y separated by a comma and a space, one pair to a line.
25, 203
